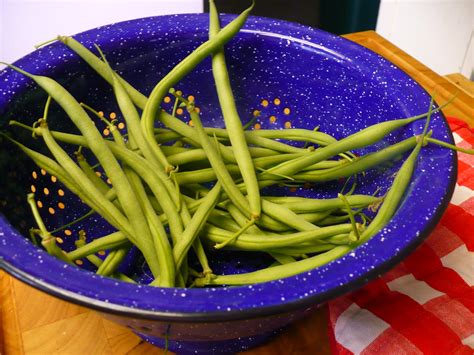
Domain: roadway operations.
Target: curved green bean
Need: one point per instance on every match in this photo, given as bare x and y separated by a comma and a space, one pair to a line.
276, 272
361, 139
266, 242
195, 225
396, 192
232, 119
152, 107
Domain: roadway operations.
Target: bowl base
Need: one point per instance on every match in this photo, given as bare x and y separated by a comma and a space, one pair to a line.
230, 346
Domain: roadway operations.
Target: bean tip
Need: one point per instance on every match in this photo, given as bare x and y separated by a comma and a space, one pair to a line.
255, 216
62, 38
219, 245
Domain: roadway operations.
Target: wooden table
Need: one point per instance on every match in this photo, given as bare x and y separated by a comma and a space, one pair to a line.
32, 322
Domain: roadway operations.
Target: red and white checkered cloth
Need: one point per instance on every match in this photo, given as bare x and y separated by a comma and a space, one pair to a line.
425, 305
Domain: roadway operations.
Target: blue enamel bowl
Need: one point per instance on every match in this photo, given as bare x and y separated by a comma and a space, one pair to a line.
295, 76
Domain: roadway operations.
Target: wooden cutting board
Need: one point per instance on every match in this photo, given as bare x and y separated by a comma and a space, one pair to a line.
32, 322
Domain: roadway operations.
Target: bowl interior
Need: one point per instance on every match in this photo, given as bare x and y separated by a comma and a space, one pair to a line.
294, 76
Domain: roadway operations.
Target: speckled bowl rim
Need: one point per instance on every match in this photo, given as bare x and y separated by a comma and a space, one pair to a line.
143, 305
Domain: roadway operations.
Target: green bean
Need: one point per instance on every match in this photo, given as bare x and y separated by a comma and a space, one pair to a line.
138, 98
393, 197
236, 235
276, 272
363, 138
254, 138
149, 174
223, 222
276, 226
204, 175
449, 146
315, 217
167, 137
155, 204
267, 242
110, 195
79, 140
273, 213
341, 239
96, 261
154, 154
241, 220
143, 168
195, 225
218, 165
194, 204
296, 134
266, 137
355, 227
32, 232
84, 183
55, 169
73, 108
331, 220
162, 263
90, 173
73, 222
259, 152
397, 190
202, 257
152, 107
302, 205
273, 145
255, 152
286, 216
272, 224
136, 223
186, 156
197, 246
232, 118
161, 245
188, 132
282, 258
325, 164
124, 278
172, 149
113, 261
47, 239
101, 68
359, 165
109, 242
145, 238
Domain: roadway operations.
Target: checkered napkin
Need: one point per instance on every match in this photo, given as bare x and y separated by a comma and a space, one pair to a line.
426, 304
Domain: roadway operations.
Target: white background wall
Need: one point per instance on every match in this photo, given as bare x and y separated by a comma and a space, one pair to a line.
24, 23
436, 32
439, 33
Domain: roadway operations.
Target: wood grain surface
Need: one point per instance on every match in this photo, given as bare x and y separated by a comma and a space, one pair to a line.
34, 323
442, 88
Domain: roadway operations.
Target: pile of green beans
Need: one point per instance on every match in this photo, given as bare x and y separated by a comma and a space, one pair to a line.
183, 188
